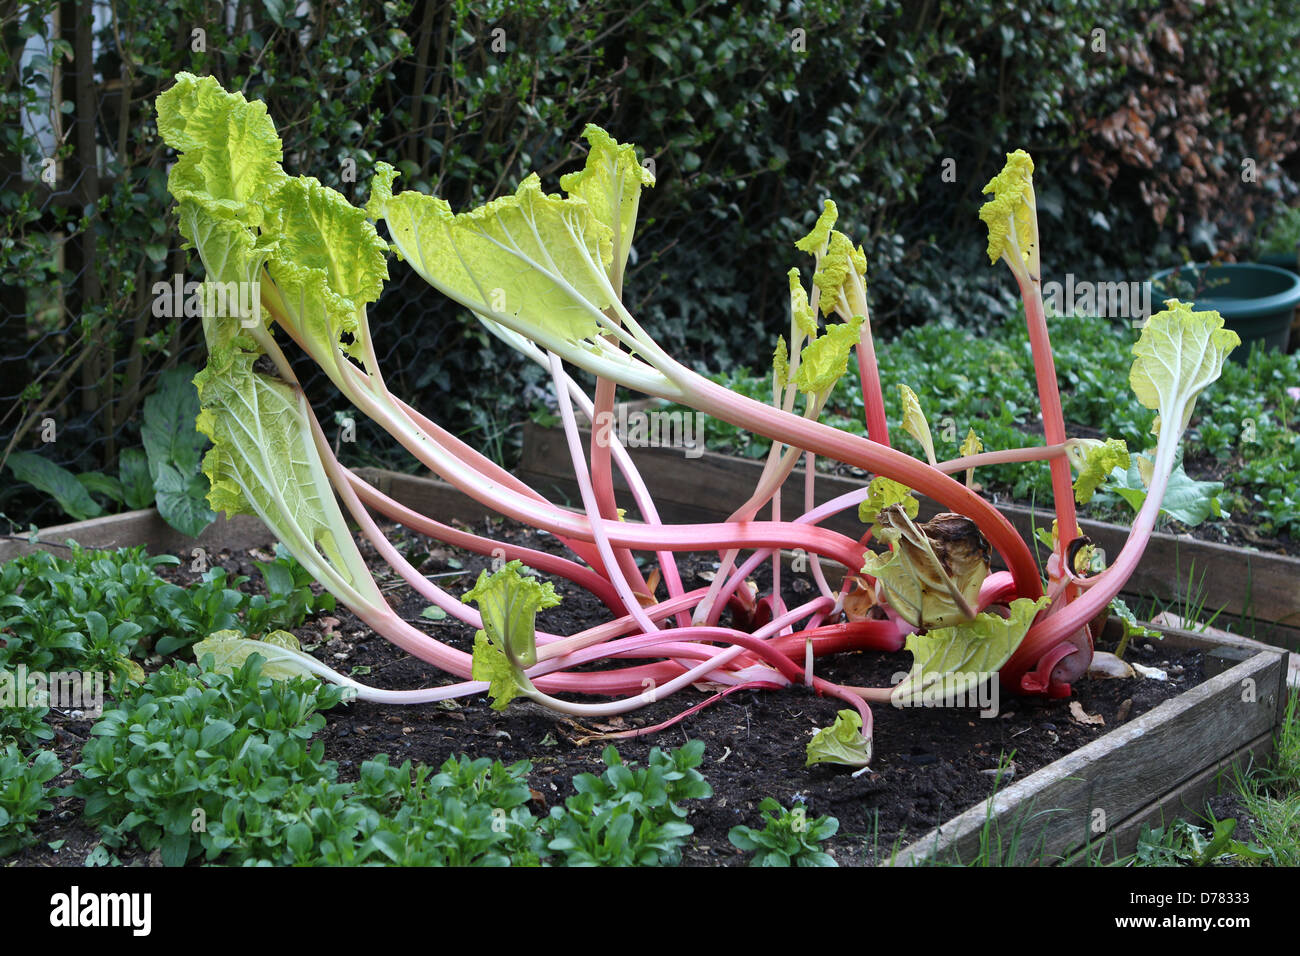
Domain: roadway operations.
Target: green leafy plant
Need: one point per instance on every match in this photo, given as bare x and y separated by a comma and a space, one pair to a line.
194, 744
788, 837
174, 452
166, 472
193, 612
88, 611
290, 597
23, 795
1282, 232
1182, 843
629, 816
234, 750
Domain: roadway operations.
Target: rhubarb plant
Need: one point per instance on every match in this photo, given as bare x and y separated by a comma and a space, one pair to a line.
543, 272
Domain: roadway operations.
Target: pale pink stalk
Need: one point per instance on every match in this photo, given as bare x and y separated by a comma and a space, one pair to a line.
1050, 632
741, 642
873, 401
640, 494
602, 476
809, 503
540, 560
624, 587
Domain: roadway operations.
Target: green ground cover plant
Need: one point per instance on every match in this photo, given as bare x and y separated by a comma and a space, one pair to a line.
787, 837
222, 768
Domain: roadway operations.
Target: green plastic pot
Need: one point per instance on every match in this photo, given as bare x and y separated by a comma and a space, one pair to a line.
1256, 301
1290, 261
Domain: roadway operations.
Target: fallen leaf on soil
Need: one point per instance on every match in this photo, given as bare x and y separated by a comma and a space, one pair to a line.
1078, 713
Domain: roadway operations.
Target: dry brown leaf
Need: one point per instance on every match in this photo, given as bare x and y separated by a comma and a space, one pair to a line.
1079, 714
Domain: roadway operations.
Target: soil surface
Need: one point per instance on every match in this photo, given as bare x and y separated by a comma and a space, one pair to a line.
928, 766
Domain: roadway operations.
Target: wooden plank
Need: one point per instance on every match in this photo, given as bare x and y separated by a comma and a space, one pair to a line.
1215, 638
1263, 587
431, 497
1186, 802
142, 527
1054, 810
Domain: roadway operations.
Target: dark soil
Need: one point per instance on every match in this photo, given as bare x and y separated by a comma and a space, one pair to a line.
928, 766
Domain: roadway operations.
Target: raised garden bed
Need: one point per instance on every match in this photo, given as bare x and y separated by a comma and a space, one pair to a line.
1166, 754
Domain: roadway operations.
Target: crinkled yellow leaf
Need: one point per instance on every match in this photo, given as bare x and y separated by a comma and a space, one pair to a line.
815, 241
533, 261
835, 269
883, 492
1012, 206
823, 361
229, 150
781, 363
1094, 460
804, 319
508, 602
842, 742
490, 664
611, 183
964, 655
914, 421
